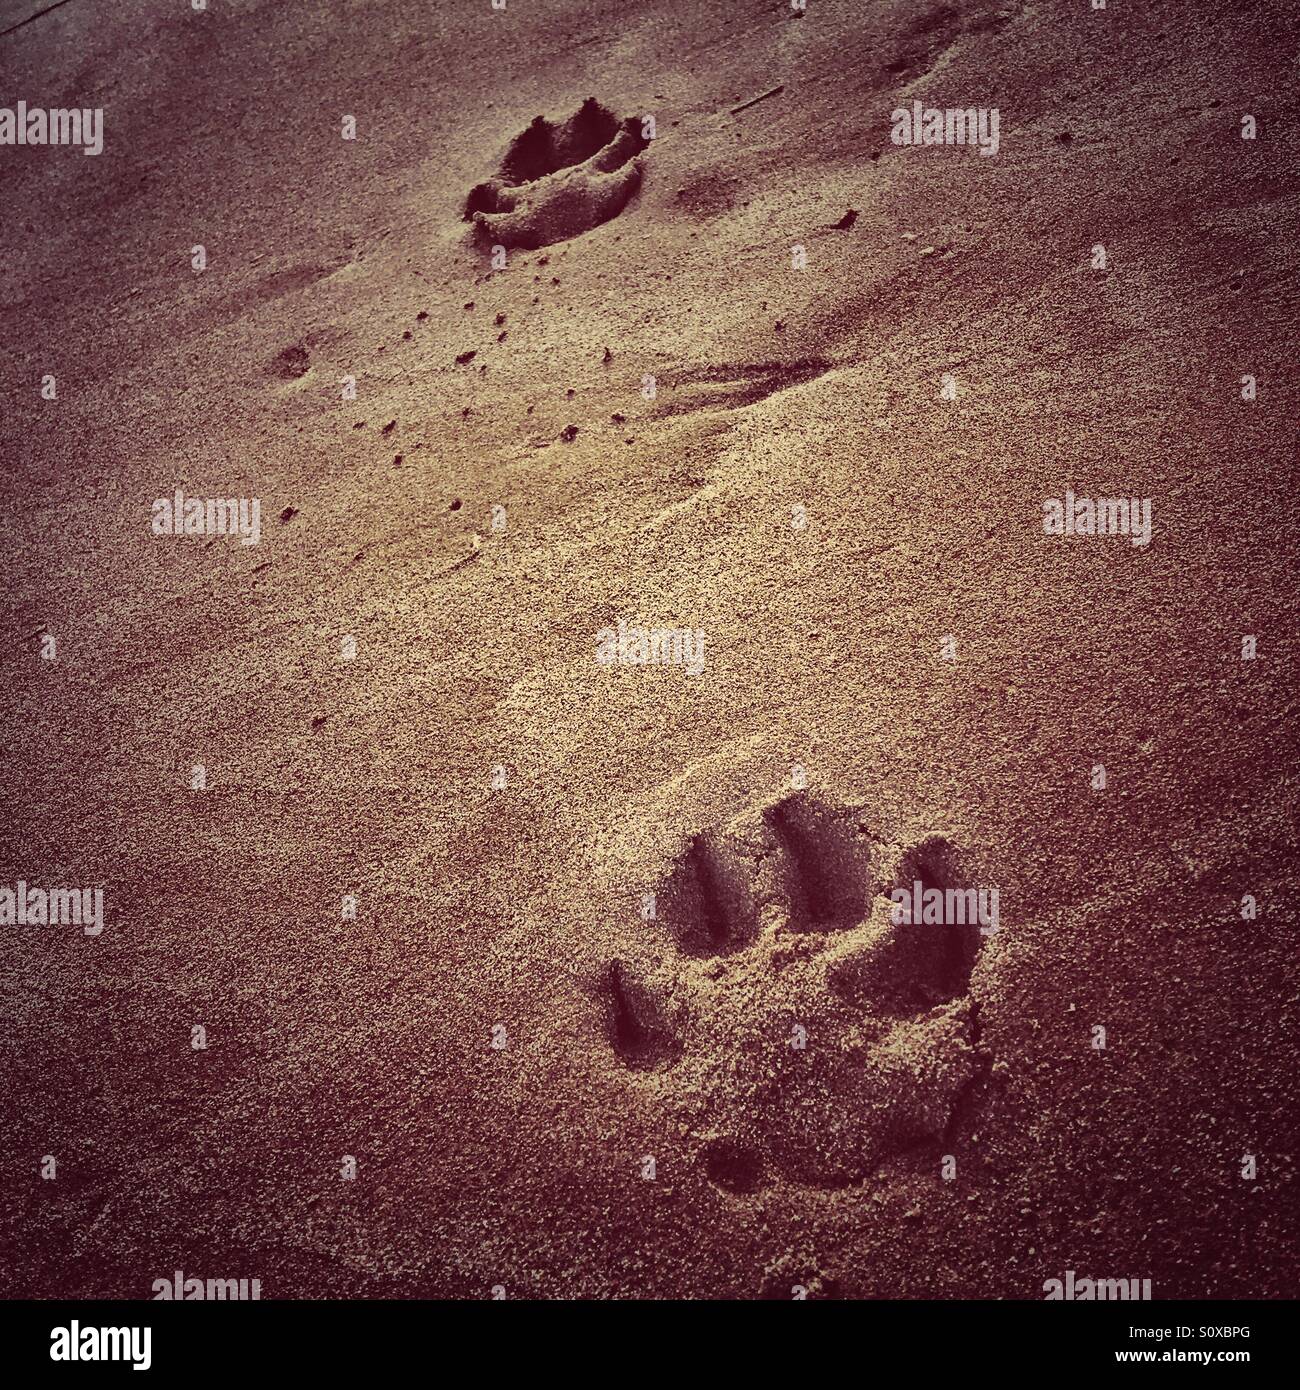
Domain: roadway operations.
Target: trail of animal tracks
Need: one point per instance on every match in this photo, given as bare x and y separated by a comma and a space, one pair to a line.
763, 386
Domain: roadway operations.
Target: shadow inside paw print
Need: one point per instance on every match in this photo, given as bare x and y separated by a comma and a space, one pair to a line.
914, 966
794, 865
559, 180
822, 1029
638, 1029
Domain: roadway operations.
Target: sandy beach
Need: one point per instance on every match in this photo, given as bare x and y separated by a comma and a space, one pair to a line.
687, 481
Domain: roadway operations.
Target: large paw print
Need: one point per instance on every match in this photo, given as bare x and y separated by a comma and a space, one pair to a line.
812, 1034
558, 180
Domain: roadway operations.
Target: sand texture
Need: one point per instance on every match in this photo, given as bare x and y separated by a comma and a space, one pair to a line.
651, 579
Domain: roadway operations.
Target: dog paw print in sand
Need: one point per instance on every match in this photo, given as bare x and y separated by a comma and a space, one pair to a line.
797, 1027
559, 180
